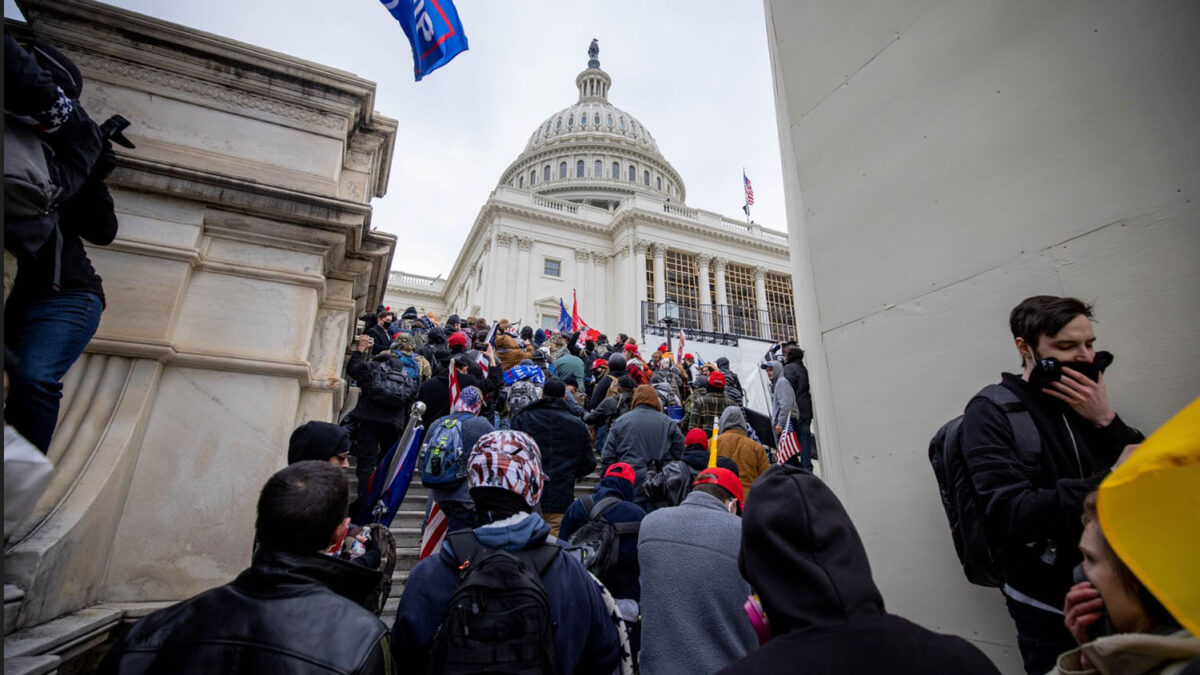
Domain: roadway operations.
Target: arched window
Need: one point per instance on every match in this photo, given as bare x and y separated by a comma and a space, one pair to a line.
622, 123
546, 174
521, 182
533, 178
632, 174
658, 183
597, 119
579, 169
571, 121
599, 170
562, 169
558, 124
616, 172
610, 120
646, 178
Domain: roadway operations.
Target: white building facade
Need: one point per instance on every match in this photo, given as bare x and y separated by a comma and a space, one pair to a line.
592, 206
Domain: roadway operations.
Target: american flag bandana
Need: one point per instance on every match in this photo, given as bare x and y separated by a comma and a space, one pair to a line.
510, 460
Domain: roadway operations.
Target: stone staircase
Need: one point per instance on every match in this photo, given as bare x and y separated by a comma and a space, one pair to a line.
406, 528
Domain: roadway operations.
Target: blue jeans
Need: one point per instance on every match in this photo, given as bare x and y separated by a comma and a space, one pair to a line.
808, 443
46, 335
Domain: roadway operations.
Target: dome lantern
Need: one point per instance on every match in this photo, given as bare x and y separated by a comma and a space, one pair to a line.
593, 83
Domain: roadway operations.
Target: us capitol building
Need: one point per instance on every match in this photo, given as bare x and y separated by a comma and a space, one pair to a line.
591, 204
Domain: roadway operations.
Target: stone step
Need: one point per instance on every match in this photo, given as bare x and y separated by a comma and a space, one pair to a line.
406, 537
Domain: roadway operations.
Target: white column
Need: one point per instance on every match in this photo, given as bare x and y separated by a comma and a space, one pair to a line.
598, 310
722, 298
624, 288
706, 308
583, 274
660, 273
634, 322
488, 261
523, 304
760, 296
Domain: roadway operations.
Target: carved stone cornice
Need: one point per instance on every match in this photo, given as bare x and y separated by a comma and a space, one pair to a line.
719, 264
601, 258
640, 246
703, 259
582, 255
660, 251
504, 238
177, 82
760, 273
524, 243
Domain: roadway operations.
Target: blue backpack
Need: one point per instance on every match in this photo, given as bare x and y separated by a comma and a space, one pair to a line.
443, 458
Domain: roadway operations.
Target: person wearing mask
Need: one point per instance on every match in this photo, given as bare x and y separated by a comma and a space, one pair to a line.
506, 482
803, 557
380, 418
320, 441
692, 595
642, 436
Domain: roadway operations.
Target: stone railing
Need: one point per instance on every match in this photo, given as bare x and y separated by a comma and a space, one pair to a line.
555, 204
676, 210
397, 278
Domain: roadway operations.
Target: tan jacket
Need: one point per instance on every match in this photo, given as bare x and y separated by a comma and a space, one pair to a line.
751, 458
1132, 654
509, 352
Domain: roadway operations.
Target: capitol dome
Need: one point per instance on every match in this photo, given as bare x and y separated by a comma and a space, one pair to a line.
593, 152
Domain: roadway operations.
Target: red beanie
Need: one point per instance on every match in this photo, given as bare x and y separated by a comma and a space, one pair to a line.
631, 348
717, 380
457, 339
695, 437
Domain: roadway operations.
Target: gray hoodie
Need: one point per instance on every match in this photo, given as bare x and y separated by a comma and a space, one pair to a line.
783, 399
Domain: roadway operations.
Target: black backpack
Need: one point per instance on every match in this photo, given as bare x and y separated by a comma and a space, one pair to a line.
391, 387
672, 482
498, 619
964, 508
597, 544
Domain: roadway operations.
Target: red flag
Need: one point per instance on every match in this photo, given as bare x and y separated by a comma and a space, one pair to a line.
453, 383
435, 531
576, 322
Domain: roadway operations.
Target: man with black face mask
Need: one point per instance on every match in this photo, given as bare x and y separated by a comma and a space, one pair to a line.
1034, 458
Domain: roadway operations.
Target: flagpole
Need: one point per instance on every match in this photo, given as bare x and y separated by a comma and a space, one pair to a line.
745, 197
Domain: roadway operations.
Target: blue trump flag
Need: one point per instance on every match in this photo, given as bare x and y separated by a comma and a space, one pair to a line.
564, 318
433, 30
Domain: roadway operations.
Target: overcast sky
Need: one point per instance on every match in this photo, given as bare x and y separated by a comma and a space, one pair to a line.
695, 72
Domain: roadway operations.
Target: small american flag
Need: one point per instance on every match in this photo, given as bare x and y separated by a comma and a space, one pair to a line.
453, 382
789, 444
749, 190
434, 532
482, 360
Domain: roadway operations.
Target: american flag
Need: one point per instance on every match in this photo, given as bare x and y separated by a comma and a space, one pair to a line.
789, 444
453, 382
434, 532
749, 190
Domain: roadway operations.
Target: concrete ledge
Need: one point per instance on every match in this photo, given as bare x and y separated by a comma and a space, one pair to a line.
31, 665
60, 633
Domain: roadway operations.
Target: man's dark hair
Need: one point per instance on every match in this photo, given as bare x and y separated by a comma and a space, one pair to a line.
715, 490
382, 313
301, 507
1044, 315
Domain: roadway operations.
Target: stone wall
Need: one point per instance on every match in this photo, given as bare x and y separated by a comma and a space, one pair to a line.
943, 162
244, 256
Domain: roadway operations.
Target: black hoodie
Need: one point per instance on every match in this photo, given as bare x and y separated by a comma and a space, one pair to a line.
803, 556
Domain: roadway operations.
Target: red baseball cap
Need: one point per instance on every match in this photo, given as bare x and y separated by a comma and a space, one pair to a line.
723, 478
457, 339
630, 348
621, 470
599, 362
717, 380
689, 357
695, 437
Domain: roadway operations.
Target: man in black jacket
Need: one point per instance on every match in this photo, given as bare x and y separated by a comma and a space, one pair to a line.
1033, 497
803, 556
797, 375
295, 610
566, 448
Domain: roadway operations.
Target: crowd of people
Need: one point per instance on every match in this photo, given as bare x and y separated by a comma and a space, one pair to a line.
669, 565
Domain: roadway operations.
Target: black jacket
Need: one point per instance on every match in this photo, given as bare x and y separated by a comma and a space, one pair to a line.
622, 579
288, 613
1028, 508
566, 449
795, 373
435, 350
803, 556
382, 339
435, 394
367, 408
